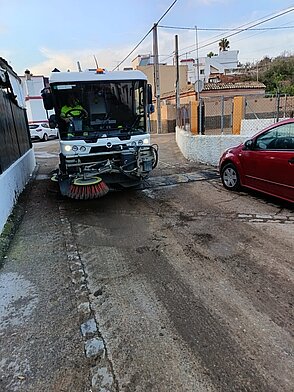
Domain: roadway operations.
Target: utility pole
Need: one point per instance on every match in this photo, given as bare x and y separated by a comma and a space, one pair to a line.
177, 81
197, 65
156, 77
200, 107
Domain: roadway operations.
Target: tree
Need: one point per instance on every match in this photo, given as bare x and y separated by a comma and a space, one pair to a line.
224, 44
211, 54
278, 75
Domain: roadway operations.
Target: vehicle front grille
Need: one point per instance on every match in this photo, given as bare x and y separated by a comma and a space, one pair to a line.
97, 149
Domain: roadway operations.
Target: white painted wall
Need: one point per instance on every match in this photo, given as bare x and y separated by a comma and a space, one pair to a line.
32, 88
36, 111
206, 148
12, 183
252, 126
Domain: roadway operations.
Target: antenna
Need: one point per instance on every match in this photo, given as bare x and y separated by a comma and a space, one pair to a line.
79, 66
96, 62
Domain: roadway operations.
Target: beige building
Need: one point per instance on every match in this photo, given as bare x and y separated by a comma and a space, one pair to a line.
167, 73
167, 76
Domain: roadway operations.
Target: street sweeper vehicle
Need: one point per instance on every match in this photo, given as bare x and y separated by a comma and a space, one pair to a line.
104, 130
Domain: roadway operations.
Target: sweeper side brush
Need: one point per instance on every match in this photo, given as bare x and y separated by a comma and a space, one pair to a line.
87, 188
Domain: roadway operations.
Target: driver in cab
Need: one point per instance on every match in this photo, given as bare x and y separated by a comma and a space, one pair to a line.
73, 113
71, 109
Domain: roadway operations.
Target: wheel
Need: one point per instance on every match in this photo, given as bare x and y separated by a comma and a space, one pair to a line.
45, 137
230, 177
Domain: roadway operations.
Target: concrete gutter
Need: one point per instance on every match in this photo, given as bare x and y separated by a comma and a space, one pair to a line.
12, 182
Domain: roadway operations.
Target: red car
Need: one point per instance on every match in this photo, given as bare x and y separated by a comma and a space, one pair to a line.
264, 163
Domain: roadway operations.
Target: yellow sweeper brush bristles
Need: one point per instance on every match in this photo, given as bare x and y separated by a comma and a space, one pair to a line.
89, 188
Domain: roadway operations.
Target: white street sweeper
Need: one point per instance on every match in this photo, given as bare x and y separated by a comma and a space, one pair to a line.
104, 130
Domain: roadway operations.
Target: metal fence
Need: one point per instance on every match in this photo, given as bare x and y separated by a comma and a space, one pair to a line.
258, 112
14, 132
185, 116
261, 112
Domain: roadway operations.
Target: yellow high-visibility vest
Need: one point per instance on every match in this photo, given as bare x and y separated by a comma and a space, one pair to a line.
65, 109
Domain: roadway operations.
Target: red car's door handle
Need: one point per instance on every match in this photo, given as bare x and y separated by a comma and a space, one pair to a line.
291, 160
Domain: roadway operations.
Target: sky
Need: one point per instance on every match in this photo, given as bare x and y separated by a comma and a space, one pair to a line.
41, 35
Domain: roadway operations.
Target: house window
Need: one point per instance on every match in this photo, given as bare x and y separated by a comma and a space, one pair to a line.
201, 71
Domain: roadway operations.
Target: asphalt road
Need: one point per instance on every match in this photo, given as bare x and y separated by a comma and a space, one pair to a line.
180, 286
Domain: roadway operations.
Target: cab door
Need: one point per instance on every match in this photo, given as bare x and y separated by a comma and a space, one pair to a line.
269, 166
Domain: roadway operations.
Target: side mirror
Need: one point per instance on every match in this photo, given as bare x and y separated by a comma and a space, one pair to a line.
149, 94
151, 109
52, 121
249, 144
47, 99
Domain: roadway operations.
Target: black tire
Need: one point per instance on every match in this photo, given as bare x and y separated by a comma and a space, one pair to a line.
230, 177
45, 137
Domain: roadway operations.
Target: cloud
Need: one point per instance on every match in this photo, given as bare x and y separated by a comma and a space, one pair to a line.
251, 45
64, 60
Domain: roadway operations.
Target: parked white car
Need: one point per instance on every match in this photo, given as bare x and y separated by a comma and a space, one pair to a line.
42, 131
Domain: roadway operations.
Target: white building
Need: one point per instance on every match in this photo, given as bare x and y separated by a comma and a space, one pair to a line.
32, 87
217, 64
142, 60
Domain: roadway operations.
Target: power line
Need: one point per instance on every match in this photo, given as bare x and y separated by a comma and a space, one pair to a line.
145, 36
169, 8
246, 28
258, 33
223, 29
132, 51
271, 17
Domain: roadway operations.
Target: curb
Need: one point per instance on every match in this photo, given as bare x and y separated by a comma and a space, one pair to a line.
101, 372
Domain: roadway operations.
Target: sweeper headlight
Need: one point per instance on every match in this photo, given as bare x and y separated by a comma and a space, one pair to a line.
144, 141
74, 148
67, 148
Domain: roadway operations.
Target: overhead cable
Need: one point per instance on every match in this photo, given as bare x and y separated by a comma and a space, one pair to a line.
223, 29
146, 35
241, 29
246, 28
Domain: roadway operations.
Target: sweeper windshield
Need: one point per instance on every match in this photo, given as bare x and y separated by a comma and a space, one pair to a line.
89, 110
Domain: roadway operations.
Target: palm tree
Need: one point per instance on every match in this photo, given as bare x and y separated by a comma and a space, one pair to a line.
224, 44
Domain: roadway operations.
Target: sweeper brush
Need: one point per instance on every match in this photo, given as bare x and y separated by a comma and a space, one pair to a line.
87, 188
